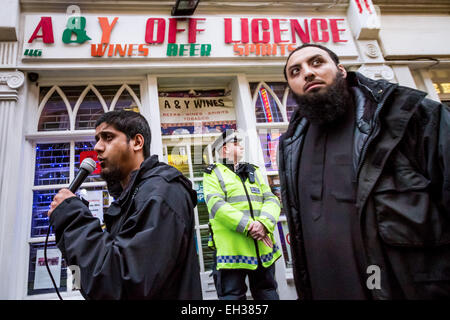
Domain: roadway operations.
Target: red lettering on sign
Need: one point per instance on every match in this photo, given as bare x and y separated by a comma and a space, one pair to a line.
173, 29
47, 31
306, 30
335, 30
368, 6
245, 38
303, 33
360, 8
229, 31
277, 31
193, 29
315, 30
255, 31
150, 27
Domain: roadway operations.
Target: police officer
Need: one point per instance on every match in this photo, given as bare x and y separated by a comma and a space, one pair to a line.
243, 214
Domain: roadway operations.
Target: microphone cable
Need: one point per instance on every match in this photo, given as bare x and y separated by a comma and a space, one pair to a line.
46, 263
86, 167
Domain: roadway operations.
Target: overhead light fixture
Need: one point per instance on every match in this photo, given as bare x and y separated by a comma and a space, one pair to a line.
184, 7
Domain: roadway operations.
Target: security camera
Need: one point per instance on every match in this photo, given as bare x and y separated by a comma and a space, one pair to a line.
33, 76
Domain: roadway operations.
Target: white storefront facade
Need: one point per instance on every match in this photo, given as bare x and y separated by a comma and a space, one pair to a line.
64, 63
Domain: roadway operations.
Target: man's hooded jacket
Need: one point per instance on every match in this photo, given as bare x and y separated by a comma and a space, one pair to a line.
402, 163
147, 250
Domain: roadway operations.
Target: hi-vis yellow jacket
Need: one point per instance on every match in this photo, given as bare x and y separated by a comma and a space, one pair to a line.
232, 207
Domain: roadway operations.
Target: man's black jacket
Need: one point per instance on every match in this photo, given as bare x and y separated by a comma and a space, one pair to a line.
402, 161
147, 250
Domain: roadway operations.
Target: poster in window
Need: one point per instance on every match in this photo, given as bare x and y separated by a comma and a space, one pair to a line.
96, 200
41, 277
189, 115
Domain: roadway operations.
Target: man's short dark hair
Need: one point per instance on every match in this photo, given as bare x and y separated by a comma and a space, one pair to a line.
332, 55
130, 123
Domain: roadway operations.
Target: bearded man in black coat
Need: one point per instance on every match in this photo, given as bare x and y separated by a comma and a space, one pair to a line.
365, 182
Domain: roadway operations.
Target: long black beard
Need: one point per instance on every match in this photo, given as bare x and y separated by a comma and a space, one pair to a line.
325, 106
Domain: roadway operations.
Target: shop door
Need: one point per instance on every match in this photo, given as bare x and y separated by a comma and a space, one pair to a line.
191, 156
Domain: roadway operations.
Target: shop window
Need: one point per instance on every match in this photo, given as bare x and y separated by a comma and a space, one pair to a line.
41, 204
203, 215
208, 254
71, 93
68, 110
274, 182
285, 242
272, 101
90, 109
52, 164
269, 139
290, 104
274, 105
127, 99
55, 115
441, 82
177, 156
83, 150
110, 92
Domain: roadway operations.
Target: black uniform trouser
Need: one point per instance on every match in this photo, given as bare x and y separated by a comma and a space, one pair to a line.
230, 283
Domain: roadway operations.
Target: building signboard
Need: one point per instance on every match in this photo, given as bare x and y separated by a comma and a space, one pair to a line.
90, 36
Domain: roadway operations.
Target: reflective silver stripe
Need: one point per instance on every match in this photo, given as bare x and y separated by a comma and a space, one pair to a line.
215, 208
275, 200
256, 212
209, 196
269, 216
243, 223
244, 198
221, 181
268, 194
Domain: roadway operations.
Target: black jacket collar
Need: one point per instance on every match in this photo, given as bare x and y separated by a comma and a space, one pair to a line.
116, 190
149, 167
121, 195
137, 175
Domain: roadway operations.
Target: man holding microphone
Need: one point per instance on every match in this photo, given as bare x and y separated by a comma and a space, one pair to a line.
147, 250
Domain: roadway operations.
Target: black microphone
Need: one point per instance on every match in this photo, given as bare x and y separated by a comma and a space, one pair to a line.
86, 167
